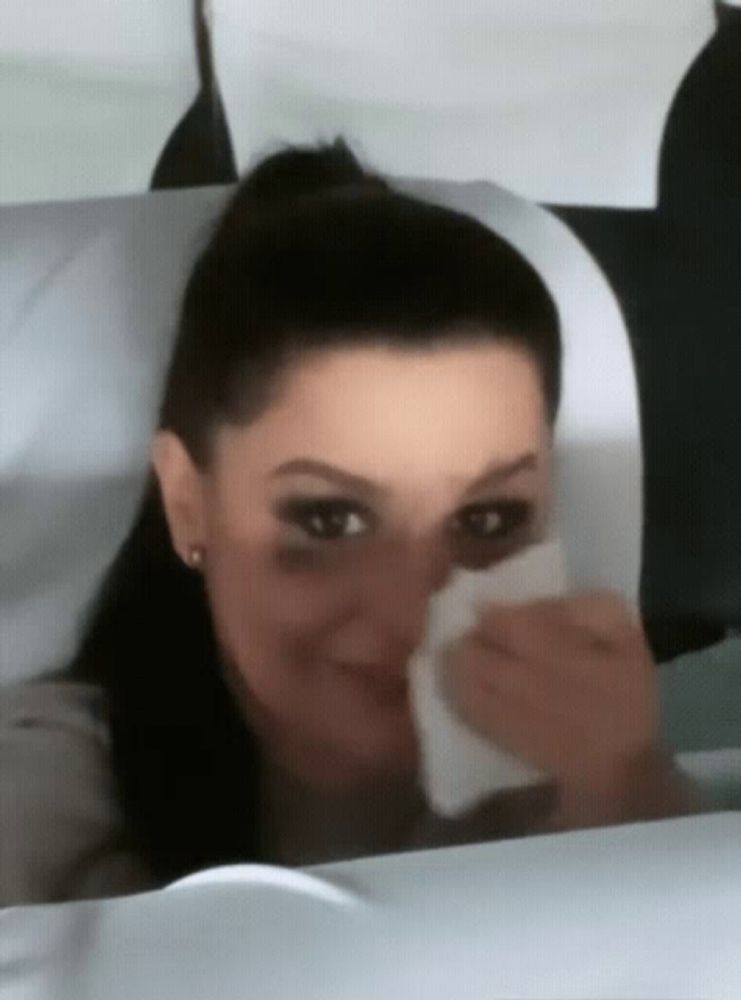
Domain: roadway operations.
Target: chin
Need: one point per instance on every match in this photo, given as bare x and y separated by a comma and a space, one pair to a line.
388, 750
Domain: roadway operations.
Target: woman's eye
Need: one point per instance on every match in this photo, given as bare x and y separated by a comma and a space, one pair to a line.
327, 520
337, 518
494, 521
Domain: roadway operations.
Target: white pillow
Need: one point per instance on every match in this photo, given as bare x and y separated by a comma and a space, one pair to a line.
89, 294
560, 102
644, 911
89, 93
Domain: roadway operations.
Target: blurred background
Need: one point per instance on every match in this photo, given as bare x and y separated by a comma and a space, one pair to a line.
622, 118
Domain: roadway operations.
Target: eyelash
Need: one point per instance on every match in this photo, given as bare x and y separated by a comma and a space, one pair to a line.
299, 511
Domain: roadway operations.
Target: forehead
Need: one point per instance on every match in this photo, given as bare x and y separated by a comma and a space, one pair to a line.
380, 408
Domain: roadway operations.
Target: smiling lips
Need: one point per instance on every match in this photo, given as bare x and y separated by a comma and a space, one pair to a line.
384, 686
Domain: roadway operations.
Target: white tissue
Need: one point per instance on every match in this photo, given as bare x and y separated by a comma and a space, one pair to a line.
459, 767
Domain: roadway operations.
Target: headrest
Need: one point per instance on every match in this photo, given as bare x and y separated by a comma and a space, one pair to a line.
89, 294
562, 103
89, 92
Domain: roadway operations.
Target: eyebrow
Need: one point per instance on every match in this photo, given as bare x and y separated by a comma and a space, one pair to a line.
494, 475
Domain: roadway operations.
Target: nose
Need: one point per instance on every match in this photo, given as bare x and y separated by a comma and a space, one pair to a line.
397, 592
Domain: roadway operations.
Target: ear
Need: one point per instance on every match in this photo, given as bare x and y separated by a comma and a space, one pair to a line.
181, 488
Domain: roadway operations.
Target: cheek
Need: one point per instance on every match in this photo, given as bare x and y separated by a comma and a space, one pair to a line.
269, 622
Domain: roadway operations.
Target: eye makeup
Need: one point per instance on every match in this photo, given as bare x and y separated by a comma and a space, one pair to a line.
496, 519
304, 547
308, 512
321, 523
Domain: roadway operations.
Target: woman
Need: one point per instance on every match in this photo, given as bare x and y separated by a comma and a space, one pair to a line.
361, 399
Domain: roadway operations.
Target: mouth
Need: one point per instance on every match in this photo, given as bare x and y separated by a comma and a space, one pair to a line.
380, 686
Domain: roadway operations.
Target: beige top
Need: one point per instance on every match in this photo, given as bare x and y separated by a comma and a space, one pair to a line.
60, 824
62, 830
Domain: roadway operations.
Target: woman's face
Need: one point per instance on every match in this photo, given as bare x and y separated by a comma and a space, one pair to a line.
330, 521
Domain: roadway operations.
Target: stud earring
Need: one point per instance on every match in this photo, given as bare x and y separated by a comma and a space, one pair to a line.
195, 557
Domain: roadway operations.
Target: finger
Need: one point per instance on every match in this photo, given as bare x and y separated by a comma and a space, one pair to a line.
494, 680
525, 630
566, 734
543, 634
519, 725
549, 661
594, 622
492, 670
605, 615
497, 672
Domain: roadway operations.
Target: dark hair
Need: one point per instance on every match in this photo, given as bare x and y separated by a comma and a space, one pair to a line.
311, 252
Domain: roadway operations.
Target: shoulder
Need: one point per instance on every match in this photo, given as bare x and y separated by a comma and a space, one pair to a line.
62, 829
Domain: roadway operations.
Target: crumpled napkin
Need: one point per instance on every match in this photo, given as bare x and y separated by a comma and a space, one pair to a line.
460, 767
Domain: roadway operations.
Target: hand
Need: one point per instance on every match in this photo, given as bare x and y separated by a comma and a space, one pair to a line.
569, 685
